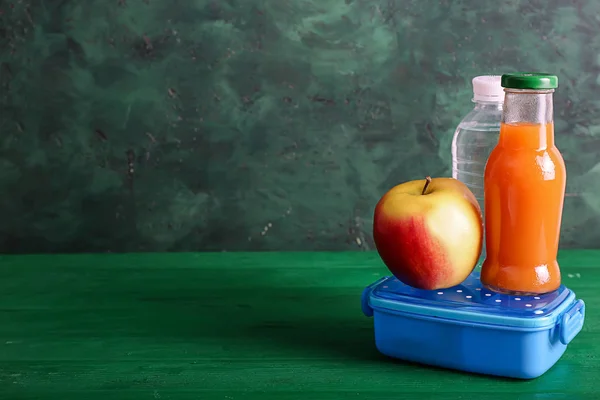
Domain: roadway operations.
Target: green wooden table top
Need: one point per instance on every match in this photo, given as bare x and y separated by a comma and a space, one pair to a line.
236, 326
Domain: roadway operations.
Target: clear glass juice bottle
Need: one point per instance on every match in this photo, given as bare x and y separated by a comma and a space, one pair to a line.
524, 185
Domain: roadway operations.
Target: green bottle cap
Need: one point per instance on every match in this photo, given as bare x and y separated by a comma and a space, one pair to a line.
529, 80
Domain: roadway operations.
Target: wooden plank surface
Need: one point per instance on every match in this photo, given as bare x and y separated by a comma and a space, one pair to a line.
236, 326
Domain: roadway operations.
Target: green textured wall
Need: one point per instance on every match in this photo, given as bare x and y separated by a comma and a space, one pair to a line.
130, 125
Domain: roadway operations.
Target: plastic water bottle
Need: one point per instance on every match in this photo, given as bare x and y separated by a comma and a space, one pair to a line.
476, 136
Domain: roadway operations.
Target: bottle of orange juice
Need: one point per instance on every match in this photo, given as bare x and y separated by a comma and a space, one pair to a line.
524, 186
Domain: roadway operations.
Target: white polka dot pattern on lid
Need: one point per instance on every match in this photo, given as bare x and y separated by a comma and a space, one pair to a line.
532, 305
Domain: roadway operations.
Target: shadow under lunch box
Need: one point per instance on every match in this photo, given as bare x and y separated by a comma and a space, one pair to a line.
471, 328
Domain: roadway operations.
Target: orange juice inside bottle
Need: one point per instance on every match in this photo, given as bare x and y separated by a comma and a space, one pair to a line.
524, 186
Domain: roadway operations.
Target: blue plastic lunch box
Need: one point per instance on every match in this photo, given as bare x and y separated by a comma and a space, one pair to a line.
470, 328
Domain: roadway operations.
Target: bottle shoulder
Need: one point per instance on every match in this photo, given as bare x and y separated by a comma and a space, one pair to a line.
482, 118
504, 162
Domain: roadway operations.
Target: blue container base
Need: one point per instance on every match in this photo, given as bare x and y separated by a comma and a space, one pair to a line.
476, 349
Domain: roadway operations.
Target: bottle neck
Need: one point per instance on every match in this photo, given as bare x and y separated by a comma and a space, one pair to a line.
528, 106
527, 119
487, 105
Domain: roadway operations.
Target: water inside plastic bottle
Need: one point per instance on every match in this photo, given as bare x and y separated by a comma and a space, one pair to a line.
471, 148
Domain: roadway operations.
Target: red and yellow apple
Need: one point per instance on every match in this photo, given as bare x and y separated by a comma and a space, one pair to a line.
429, 232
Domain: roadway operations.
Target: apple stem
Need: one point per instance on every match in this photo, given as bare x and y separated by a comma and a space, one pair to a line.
427, 182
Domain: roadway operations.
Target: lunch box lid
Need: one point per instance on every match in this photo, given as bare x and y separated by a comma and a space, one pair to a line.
471, 302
